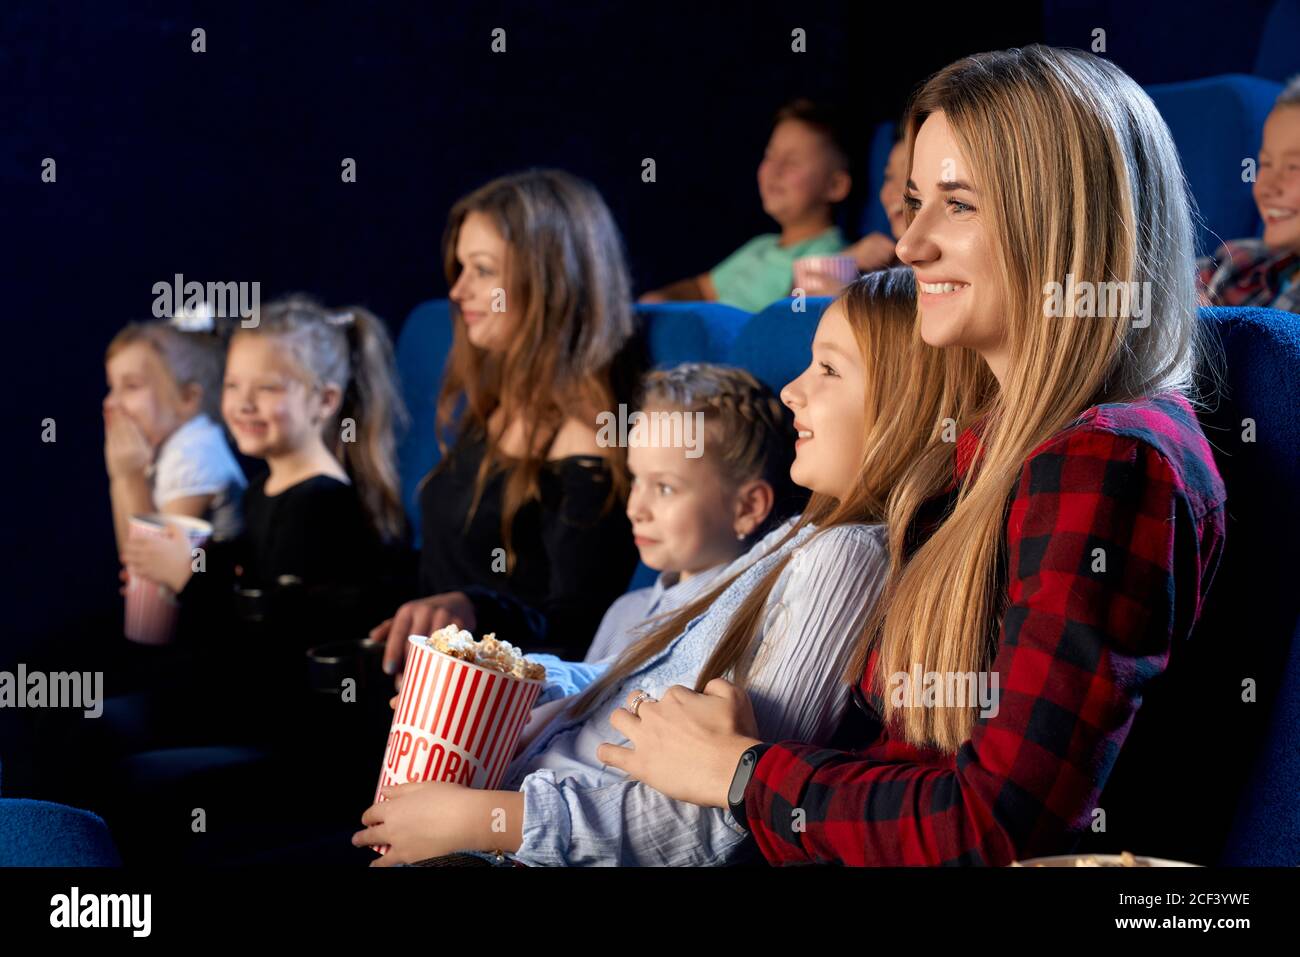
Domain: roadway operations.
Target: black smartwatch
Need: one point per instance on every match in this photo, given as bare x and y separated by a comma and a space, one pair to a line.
740, 781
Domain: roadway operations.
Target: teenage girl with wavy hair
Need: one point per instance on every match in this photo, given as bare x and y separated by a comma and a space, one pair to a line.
523, 525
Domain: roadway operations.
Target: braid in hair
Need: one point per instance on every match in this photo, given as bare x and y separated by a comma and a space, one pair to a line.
750, 431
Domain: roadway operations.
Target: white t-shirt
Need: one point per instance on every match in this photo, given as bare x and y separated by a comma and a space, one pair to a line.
196, 460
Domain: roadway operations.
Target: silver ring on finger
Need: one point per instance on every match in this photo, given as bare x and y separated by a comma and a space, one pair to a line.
636, 702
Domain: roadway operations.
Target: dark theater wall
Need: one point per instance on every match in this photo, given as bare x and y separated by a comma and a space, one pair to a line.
1163, 41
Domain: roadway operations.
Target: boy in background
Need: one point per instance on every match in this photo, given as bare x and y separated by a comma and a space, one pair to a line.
803, 175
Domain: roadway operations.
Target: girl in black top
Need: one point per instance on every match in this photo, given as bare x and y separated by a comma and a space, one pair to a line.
313, 393
572, 554
524, 526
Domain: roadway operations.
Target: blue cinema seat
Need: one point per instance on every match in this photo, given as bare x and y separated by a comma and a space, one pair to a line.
1210, 772
1216, 123
1278, 57
44, 834
1251, 622
776, 345
422, 349
874, 219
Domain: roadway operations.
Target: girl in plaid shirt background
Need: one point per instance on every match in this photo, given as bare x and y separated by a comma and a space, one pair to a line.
1065, 547
1266, 271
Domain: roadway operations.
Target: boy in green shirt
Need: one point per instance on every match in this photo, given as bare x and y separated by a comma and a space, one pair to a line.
804, 173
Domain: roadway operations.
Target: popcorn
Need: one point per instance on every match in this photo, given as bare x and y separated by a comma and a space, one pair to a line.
1126, 859
452, 721
1123, 859
488, 653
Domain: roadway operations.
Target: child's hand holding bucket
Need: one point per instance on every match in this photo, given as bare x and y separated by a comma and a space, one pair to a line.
157, 555
164, 558
456, 721
414, 822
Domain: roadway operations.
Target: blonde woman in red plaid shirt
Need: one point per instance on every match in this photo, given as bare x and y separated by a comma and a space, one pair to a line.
1059, 552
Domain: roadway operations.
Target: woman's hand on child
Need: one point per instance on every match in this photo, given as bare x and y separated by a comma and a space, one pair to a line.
422, 617
686, 745
164, 559
432, 818
126, 450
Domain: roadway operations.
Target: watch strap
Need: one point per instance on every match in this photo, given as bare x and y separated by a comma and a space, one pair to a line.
740, 782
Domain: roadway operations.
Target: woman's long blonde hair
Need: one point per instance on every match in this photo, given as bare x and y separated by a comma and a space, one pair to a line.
1078, 175
904, 397
567, 354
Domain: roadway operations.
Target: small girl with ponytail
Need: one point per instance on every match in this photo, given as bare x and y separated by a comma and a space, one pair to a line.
312, 392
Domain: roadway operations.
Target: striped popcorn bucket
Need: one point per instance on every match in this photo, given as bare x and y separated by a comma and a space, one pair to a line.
842, 268
151, 608
454, 721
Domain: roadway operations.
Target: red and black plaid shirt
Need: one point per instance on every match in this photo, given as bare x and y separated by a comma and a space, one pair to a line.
1245, 272
1076, 650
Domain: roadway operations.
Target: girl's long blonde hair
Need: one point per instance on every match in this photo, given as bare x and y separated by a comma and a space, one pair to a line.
567, 354
904, 397
1078, 176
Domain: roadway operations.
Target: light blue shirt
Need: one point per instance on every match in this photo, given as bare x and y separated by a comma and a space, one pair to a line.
578, 811
625, 621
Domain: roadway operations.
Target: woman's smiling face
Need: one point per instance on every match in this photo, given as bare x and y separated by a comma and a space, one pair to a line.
961, 297
488, 310
828, 401
268, 407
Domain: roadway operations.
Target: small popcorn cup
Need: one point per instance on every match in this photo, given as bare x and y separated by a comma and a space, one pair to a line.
151, 607
454, 721
844, 269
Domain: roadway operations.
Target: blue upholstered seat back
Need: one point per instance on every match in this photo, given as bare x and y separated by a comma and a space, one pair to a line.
43, 834
1216, 124
1278, 57
1251, 621
776, 344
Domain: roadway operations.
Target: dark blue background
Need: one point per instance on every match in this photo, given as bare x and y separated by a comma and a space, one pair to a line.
225, 166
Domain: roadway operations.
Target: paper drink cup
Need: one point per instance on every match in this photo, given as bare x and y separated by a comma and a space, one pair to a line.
151, 607
454, 721
842, 268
